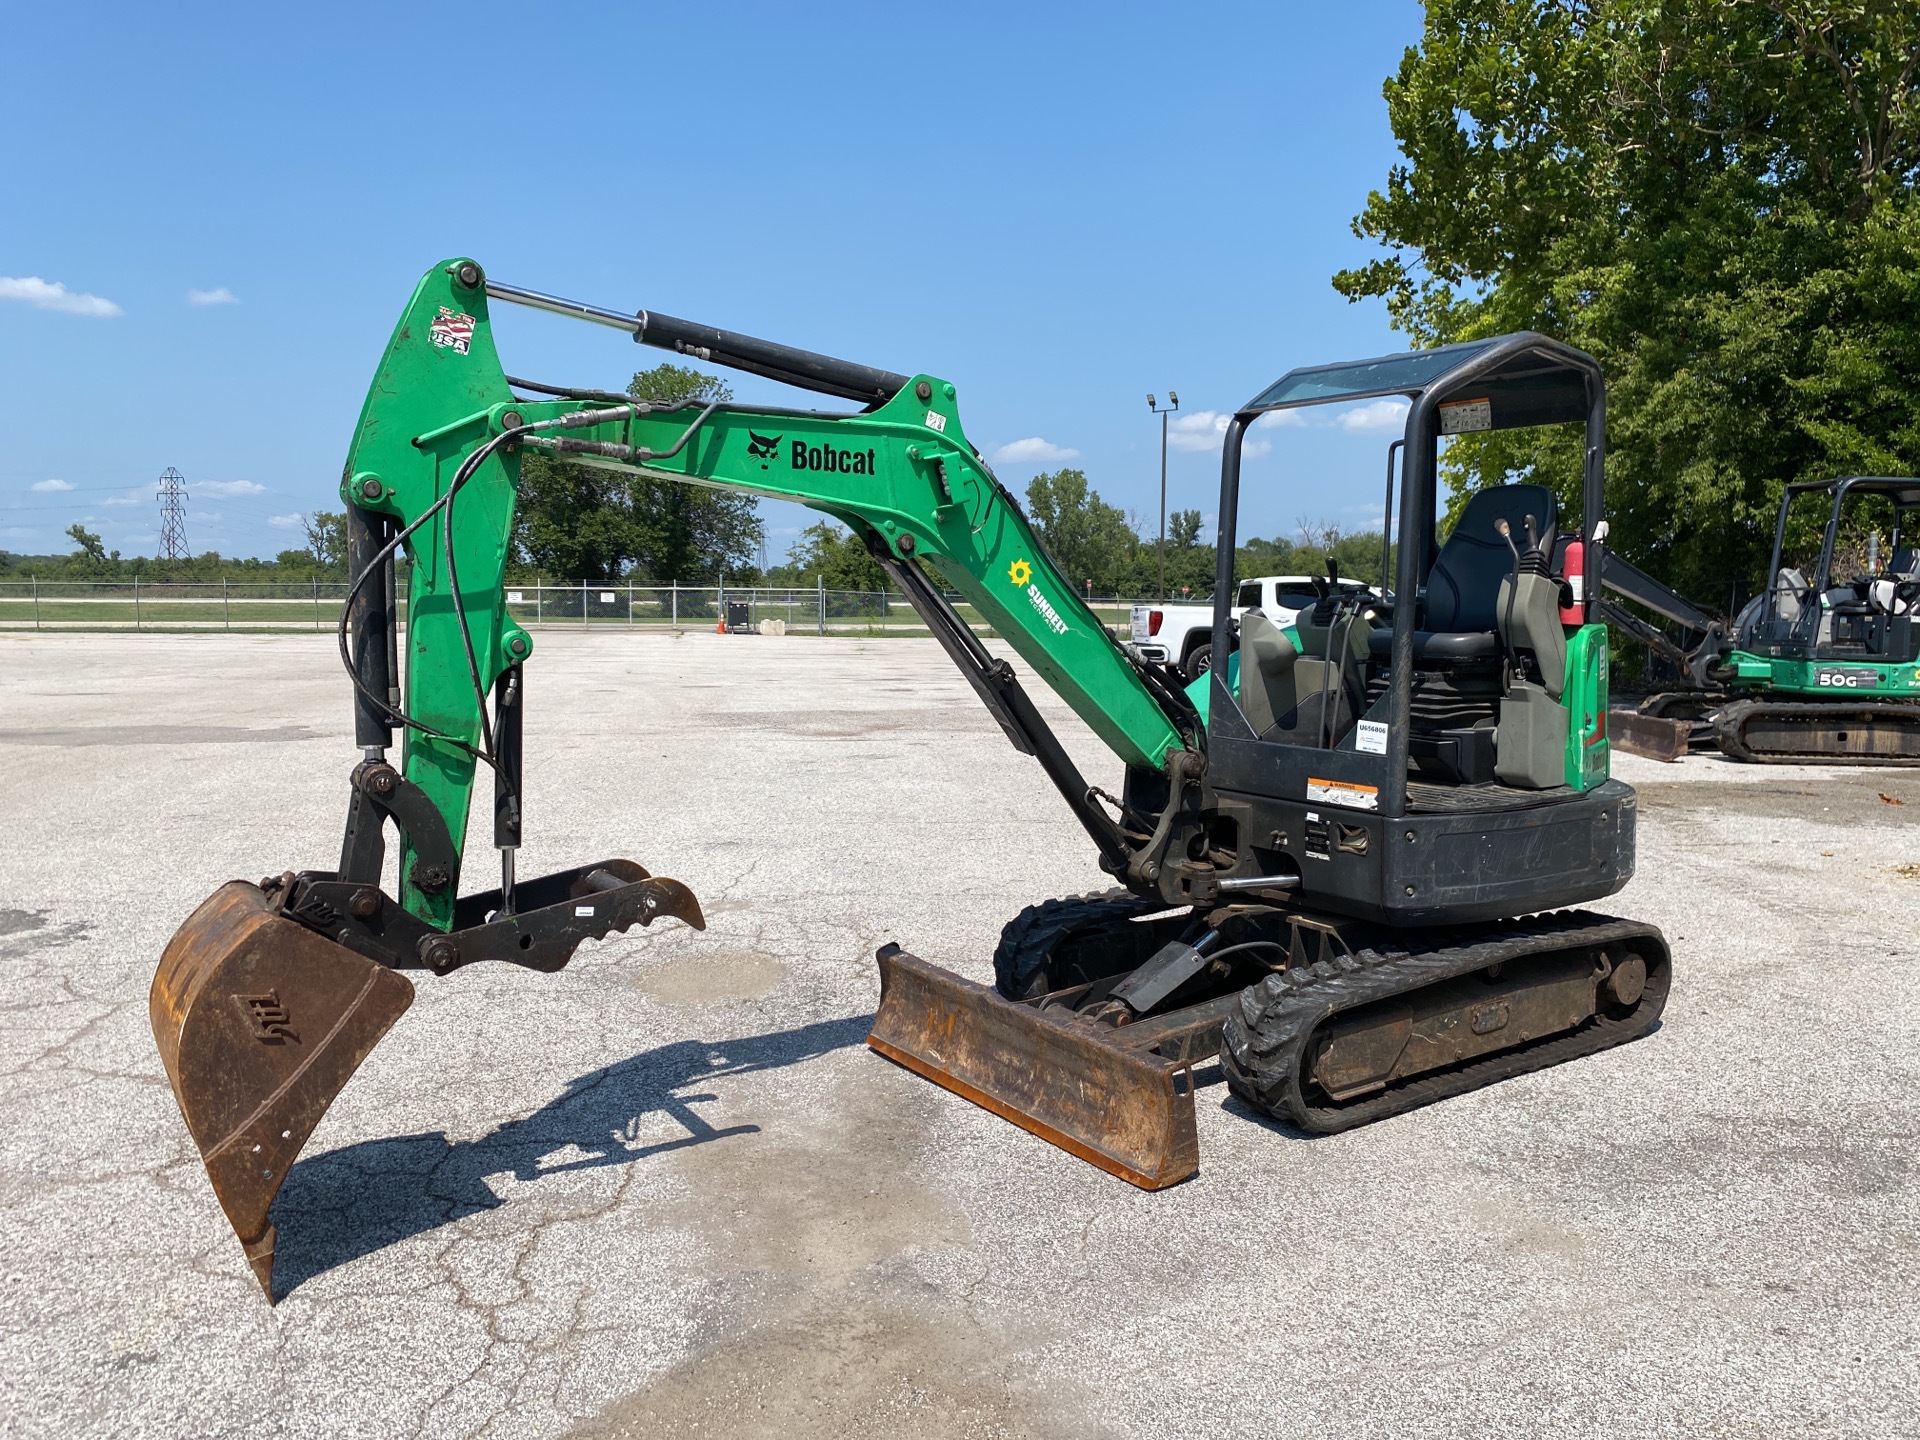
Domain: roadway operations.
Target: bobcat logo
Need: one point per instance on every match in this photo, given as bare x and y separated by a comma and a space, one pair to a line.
272, 1025
763, 447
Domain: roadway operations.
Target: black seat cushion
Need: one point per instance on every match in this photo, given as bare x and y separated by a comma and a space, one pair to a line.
1463, 589
1440, 647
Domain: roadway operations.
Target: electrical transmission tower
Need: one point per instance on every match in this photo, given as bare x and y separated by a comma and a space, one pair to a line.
173, 515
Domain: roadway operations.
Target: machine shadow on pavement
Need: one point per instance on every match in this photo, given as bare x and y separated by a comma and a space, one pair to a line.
351, 1202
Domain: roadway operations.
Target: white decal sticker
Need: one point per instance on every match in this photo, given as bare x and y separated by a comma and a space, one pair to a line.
1370, 737
1344, 793
452, 330
583, 912
1047, 612
1457, 417
936, 421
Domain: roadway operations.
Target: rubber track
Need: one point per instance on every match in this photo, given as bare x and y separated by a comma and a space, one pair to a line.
1263, 1047
1729, 729
1029, 939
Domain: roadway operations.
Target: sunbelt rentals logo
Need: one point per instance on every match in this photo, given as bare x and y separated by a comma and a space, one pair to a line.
1020, 573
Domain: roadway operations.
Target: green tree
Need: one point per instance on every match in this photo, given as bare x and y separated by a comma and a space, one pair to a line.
91, 550
326, 532
1189, 562
579, 522
1714, 197
1088, 539
828, 555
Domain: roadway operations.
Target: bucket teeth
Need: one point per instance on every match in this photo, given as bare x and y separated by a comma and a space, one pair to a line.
260, 1022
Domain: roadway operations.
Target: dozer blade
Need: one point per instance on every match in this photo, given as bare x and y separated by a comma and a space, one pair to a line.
260, 1023
1652, 736
1102, 1093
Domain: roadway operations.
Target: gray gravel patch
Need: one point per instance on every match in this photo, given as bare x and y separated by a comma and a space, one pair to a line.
669, 1190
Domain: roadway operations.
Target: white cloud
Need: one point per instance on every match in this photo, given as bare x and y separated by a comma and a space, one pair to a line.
52, 295
1204, 430
1197, 432
221, 296
1032, 451
48, 485
123, 500
230, 487
1375, 417
285, 522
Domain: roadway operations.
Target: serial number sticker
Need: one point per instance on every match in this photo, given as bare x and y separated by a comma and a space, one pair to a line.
583, 912
1370, 737
1458, 417
1344, 793
1846, 678
936, 421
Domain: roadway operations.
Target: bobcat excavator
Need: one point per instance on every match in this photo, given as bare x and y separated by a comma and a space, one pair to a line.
1340, 860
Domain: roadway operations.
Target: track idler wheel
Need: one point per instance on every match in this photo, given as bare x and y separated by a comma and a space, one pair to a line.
260, 1022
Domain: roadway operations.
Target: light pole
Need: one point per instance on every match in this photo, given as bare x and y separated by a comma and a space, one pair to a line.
1173, 404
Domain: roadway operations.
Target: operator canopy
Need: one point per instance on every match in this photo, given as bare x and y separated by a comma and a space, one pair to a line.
1902, 490
1502, 383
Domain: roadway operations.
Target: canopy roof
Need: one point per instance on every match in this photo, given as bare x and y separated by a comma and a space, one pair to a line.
1523, 379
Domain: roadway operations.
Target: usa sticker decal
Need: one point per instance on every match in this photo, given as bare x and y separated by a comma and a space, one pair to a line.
452, 330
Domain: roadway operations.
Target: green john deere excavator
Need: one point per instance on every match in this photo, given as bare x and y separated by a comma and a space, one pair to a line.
1341, 860
1820, 668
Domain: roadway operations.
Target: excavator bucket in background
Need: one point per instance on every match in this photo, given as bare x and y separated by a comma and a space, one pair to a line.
260, 1023
1119, 1097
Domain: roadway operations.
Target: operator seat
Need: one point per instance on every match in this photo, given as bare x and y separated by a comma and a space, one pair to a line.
1791, 593
1285, 695
1462, 606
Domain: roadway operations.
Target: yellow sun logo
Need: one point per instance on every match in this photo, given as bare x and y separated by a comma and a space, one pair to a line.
1020, 572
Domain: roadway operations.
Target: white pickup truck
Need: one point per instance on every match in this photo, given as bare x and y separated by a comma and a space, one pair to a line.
1182, 635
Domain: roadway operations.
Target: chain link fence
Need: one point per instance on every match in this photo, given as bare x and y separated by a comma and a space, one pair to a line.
314, 605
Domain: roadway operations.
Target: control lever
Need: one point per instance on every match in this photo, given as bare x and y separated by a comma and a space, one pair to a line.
1513, 591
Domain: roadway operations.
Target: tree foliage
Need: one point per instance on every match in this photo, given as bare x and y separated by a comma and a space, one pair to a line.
1714, 197
578, 522
829, 555
326, 532
1090, 541
91, 550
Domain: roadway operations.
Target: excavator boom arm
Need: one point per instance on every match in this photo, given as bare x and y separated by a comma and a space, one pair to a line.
437, 452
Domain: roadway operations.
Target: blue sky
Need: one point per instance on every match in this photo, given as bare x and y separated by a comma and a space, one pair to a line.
214, 215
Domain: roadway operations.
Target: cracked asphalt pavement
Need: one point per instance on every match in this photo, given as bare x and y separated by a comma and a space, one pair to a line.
668, 1190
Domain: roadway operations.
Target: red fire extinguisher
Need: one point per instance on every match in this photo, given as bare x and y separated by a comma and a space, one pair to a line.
1575, 612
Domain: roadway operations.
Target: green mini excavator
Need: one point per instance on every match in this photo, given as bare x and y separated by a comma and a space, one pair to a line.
1341, 862
1821, 668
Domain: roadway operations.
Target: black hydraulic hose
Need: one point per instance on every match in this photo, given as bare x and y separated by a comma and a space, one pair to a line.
395, 715
460, 608
444, 503
1248, 945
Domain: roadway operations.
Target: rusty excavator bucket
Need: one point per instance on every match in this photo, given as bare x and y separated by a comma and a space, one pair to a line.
1119, 1098
260, 1023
